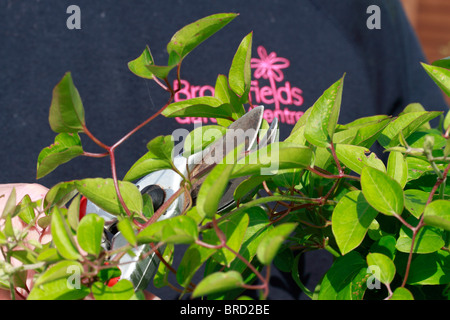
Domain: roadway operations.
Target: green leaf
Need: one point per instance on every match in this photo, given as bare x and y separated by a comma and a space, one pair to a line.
297, 133
161, 72
416, 107
192, 260
362, 132
397, 167
441, 76
403, 126
66, 147
351, 219
49, 255
255, 232
138, 65
212, 189
122, 290
107, 274
73, 213
66, 109
272, 241
176, 230
401, 294
162, 147
443, 63
338, 282
385, 266
428, 269
162, 274
417, 168
218, 282
209, 107
59, 270
385, 245
10, 204
223, 92
428, 239
240, 72
415, 201
146, 164
322, 121
58, 290
437, 214
356, 157
296, 276
60, 194
126, 229
8, 229
199, 138
381, 191
288, 178
418, 138
447, 121
89, 233
102, 193
272, 158
26, 209
62, 236
190, 36
234, 230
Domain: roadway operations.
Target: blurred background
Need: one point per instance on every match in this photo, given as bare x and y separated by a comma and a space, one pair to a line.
431, 22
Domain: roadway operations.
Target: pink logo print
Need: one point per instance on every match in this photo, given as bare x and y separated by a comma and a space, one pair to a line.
266, 67
269, 66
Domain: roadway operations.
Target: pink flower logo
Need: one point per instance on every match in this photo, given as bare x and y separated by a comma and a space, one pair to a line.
269, 66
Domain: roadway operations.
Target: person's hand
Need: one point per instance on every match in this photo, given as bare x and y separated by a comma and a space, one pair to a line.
36, 192
43, 236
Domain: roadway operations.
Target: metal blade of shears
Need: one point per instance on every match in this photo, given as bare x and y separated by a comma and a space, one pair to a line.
244, 130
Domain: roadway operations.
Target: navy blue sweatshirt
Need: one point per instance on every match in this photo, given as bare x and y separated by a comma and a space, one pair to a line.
300, 48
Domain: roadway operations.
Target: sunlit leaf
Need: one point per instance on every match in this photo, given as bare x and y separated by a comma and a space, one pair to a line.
385, 266
437, 214
59, 270
122, 290
89, 233
381, 191
322, 121
62, 236
403, 126
351, 219
441, 76
190, 36
209, 107
138, 65
272, 241
66, 109
240, 71
217, 282
428, 239
397, 167
102, 192
177, 230
356, 157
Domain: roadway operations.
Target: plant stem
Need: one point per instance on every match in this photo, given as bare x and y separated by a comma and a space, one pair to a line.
328, 175
416, 229
163, 208
338, 164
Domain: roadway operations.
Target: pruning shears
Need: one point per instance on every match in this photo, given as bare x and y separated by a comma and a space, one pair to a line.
162, 184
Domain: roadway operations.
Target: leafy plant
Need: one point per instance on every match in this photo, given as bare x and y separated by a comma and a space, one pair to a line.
386, 224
